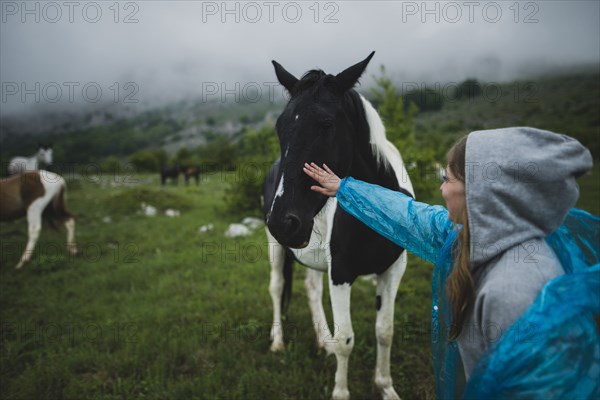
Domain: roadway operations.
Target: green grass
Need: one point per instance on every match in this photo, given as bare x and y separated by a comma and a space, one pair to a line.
152, 309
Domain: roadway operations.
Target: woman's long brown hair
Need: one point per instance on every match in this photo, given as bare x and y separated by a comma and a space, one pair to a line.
460, 285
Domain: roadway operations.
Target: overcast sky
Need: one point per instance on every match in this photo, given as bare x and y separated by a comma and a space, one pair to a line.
159, 51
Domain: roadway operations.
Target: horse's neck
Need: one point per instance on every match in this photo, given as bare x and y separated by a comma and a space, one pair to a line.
365, 167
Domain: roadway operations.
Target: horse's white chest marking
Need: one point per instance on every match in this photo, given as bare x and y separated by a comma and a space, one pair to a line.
317, 254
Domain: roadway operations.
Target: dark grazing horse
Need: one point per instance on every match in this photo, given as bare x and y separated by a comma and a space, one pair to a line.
191, 172
170, 173
327, 121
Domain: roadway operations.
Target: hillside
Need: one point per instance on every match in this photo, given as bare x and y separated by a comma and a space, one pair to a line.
565, 103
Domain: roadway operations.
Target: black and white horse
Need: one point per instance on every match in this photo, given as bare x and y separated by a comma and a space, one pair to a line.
18, 165
327, 121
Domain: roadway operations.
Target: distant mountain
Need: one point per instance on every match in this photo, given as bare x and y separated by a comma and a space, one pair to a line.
92, 134
565, 103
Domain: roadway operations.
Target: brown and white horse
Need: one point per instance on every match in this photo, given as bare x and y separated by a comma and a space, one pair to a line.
191, 172
33, 194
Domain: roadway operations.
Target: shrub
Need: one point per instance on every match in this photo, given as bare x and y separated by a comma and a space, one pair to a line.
424, 99
398, 120
148, 160
257, 151
110, 165
468, 89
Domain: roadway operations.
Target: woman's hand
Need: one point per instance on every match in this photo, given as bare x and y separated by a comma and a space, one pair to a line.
329, 181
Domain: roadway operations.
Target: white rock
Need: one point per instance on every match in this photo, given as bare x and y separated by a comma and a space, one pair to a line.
206, 228
149, 211
237, 230
172, 213
253, 223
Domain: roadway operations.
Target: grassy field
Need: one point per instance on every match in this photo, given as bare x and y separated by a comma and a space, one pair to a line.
151, 308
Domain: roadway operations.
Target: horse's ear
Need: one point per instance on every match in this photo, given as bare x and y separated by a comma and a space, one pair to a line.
285, 78
348, 77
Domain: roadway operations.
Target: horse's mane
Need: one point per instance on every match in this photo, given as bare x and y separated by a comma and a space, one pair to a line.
311, 79
386, 154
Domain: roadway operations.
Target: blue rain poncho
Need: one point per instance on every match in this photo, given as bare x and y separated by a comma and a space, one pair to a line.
559, 356
553, 350
519, 187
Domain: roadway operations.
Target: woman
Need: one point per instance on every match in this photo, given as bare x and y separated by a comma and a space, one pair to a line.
505, 191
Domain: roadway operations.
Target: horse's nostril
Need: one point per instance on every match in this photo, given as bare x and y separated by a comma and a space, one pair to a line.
292, 223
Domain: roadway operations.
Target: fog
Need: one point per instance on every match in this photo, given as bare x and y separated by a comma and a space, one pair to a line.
68, 54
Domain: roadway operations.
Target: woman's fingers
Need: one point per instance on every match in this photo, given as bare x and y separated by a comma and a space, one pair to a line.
328, 170
313, 172
329, 181
316, 172
320, 189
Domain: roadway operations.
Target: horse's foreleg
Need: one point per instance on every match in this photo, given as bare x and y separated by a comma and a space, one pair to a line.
387, 287
277, 259
314, 290
70, 225
343, 336
34, 225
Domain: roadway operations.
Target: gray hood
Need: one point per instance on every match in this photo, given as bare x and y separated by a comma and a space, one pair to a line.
520, 184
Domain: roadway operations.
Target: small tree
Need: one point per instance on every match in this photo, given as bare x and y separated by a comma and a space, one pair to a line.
257, 151
111, 165
418, 160
390, 105
468, 89
145, 160
183, 156
424, 99
219, 153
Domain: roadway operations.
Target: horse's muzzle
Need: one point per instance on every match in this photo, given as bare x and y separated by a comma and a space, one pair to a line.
290, 231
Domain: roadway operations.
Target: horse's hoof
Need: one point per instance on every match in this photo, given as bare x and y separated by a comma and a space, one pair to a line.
277, 346
19, 265
340, 394
389, 394
72, 250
